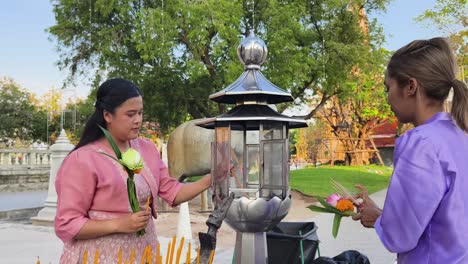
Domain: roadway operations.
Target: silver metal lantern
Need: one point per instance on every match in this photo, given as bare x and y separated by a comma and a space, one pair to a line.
250, 154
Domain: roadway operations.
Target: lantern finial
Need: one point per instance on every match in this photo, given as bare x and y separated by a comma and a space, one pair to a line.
252, 51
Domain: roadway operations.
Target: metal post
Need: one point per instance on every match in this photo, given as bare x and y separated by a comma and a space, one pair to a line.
251, 248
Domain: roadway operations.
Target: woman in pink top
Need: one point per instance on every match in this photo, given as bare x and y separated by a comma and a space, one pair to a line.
93, 211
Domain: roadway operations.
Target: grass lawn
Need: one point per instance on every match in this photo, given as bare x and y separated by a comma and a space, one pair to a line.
316, 181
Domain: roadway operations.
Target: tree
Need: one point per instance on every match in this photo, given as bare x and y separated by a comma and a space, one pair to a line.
451, 18
309, 140
181, 52
19, 118
361, 106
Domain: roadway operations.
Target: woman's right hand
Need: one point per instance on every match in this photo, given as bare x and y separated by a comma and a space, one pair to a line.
368, 211
134, 222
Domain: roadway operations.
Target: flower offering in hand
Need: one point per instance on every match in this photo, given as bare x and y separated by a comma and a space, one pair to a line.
335, 204
131, 159
132, 163
332, 199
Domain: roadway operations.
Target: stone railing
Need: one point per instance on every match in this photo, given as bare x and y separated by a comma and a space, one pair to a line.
24, 157
24, 170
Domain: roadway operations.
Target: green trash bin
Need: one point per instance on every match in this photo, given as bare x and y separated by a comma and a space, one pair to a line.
284, 242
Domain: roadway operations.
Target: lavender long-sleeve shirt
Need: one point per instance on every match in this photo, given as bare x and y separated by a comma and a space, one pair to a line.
425, 215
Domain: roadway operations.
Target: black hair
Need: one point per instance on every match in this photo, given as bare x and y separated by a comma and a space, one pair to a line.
110, 95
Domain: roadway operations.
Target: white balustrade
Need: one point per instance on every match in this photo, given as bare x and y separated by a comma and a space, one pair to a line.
24, 157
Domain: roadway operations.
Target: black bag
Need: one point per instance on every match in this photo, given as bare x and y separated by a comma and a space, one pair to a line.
347, 257
284, 242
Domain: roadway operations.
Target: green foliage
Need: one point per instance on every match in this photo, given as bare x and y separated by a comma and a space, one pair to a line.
292, 141
316, 181
84, 110
447, 15
182, 52
19, 118
451, 18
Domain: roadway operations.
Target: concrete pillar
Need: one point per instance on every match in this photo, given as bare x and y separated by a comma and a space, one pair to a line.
59, 151
204, 202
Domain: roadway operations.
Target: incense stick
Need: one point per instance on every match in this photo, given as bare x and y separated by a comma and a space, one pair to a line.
158, 254
132, 256
149, 256
179, 250
174, 241
96, 257
342, 190
210, 261
143, 258
187, 260
147, 204
167, 252
85, 257
119, 257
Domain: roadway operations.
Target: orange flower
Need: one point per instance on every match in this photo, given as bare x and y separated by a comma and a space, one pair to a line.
344, 205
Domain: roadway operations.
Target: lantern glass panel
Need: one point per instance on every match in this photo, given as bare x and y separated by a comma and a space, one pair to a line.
272, 131
252, 137
236, 179
221, 149
253, 169
273, 166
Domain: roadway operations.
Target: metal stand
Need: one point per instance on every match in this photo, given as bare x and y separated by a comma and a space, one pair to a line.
251, 248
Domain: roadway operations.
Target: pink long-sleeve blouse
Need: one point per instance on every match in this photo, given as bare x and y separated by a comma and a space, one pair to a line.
89, 181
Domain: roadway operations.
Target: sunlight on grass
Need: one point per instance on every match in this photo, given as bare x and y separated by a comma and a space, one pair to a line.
316, 181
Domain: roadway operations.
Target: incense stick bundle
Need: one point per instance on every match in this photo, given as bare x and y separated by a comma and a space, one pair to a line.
147, 257
342, 191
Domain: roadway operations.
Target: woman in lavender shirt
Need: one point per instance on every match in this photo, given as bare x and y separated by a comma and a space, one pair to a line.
425, 215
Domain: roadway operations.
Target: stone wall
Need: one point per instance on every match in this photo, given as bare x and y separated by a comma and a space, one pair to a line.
24, 178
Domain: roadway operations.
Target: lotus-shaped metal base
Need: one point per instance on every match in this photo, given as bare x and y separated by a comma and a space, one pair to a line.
259, 215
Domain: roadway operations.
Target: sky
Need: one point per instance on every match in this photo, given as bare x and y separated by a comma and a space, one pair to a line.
29, 57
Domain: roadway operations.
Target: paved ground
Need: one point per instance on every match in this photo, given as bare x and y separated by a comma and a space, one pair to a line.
353, 236
22, 243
